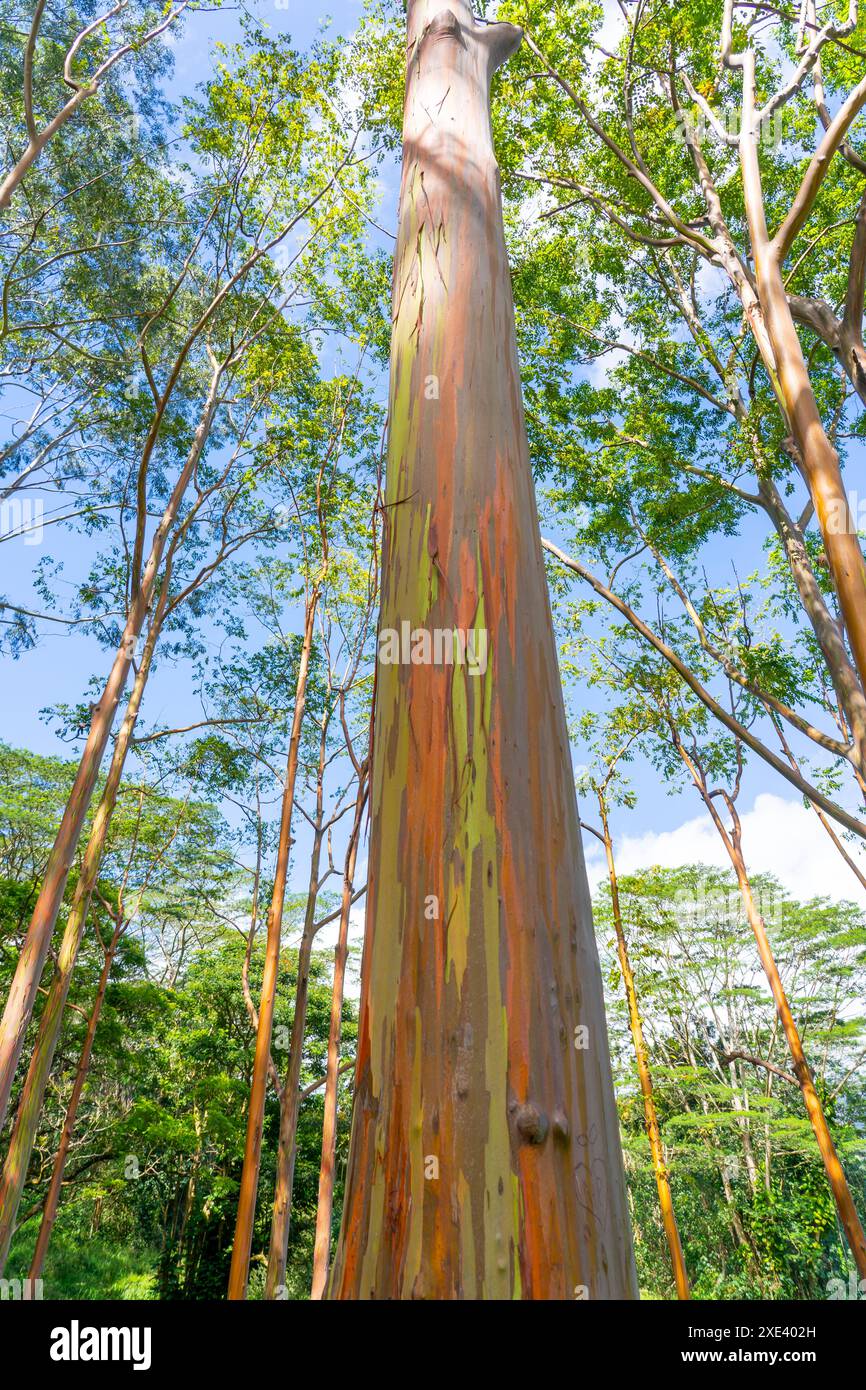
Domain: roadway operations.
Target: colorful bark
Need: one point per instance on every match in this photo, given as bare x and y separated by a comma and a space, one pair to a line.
485, 1158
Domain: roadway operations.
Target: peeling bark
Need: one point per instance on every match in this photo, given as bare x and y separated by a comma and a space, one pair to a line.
485, 1158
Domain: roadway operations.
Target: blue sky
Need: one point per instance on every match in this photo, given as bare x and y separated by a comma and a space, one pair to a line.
58, 669
780, 833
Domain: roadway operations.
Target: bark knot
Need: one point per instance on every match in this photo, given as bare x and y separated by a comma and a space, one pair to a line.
444, 25
532, 1123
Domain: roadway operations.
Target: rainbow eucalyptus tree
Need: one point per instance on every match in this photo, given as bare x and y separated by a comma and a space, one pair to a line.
485, 1156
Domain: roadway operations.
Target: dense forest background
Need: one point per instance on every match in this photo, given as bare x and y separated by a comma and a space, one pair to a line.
194, 338
148, 1211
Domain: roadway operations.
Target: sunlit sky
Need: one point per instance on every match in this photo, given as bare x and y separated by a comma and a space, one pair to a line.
779, 833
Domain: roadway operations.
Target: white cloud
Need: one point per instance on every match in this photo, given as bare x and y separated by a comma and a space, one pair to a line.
326, 940
779, 836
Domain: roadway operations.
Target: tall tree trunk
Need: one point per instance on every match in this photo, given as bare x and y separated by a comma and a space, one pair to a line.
19, 1004
51, 1021
485, 1158
239, 1272
325, 1204
835, 1173
290, 1097
52, 1200
660, 1169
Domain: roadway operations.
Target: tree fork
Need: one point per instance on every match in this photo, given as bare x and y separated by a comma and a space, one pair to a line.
28, 972
783, 358
485, 1157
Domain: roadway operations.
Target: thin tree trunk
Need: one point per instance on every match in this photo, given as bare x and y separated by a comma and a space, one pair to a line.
828, 632
36, 144
290, 1096
51, 1020
243, 1238
252, 1011
52, 1200
743, 1124
22, 994
38, 139
485, 1158
325, 1204
786, 365
852, 864
835, 1173
660, 1169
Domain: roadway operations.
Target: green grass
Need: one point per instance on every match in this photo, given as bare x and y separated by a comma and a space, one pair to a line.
79, 1265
